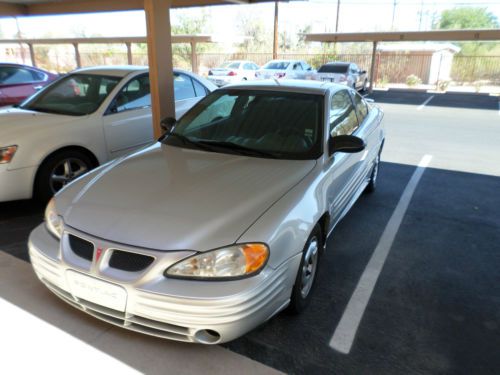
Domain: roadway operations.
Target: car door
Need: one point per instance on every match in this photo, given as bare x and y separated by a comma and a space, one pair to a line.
342, 167
248, 71
297, 70
369, 131
187, 92
128, 120
354, 71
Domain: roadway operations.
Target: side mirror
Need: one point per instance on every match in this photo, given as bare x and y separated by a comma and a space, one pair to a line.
345, 143
167, 124
363, 71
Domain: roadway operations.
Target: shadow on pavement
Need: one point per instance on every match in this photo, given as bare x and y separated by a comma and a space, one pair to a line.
449, 99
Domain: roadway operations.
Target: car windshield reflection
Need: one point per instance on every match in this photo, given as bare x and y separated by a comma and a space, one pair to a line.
254, 123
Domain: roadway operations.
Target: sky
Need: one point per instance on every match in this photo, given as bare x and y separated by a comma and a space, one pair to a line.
355, 15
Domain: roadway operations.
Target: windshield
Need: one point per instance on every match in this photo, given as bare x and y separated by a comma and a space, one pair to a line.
74, 95
277, 65
230, 65
253, 123
334, 68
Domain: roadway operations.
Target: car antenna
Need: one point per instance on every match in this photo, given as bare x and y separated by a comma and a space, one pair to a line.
277, 82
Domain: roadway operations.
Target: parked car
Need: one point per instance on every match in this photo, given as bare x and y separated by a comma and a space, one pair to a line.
343, 73
17, 82
232, 72
286, 69
220, 225
79, 122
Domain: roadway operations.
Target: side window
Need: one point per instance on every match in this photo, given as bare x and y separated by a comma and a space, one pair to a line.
183, 87
135, 94
361, 107
343, 120
13, 75
38, 76
255, 67
199, 89
297, 66
248, 66
306, 66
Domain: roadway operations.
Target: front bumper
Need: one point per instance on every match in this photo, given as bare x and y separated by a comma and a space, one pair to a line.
184, 310
16, 183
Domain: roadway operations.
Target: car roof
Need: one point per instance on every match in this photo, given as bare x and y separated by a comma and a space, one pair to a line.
293, 85
112, 70
15, 65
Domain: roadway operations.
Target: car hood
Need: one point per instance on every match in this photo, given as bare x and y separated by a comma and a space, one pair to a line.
16, 122
171, 198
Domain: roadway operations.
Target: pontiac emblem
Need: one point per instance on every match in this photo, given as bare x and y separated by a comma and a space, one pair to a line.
98, 254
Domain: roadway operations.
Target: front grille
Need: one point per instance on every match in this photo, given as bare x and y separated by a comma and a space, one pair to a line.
132, 262
84, 249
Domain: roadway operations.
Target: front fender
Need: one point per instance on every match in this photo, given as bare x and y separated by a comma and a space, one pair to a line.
287, 224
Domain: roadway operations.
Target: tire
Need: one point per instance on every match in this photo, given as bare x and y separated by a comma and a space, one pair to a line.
58, 170
372, 185
303, 287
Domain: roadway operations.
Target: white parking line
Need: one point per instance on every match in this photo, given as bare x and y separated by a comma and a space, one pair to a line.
425, 103
345, 332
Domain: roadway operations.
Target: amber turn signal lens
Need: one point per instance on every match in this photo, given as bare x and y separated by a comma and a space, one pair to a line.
256, 255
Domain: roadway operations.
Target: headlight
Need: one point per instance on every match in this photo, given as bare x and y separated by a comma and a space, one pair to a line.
53, 220
7, 153
222, 264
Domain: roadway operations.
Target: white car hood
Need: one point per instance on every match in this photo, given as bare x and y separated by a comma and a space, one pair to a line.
170, 198
16, 123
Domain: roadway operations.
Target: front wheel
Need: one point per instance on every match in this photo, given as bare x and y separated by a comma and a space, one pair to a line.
58, 170
306, 275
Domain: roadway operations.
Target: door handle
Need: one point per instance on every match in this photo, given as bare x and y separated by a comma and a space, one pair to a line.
37, 87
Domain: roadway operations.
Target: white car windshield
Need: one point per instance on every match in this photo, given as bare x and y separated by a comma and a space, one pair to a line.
276, 65
75, 95
254, 123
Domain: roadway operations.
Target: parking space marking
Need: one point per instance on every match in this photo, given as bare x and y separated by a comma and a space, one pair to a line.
425, 103
345, 332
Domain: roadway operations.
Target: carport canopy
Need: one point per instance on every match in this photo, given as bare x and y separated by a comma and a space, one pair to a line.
159, 37
406, 36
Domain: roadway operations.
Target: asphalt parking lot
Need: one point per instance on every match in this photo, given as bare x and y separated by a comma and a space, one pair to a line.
435, 307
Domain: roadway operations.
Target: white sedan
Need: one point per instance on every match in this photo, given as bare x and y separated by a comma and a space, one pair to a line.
79, 122
286, 69
232, 72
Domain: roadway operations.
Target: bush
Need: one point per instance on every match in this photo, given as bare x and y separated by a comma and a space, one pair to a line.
413, 80
443, 85
383, 82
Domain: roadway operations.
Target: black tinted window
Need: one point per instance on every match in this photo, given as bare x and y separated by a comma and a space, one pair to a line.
286, 125
337, 68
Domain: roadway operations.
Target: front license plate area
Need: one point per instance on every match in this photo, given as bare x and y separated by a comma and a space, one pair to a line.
97, 291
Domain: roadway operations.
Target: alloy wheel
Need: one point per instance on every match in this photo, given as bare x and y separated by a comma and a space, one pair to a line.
66, 171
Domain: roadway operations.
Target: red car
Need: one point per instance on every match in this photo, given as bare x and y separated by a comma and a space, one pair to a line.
17, 82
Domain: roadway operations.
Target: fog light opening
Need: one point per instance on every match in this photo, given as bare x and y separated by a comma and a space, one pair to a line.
207, 336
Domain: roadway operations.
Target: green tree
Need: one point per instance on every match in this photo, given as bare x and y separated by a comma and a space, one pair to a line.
467, 18
257, 37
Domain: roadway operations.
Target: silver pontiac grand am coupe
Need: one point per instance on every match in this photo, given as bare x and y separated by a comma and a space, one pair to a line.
221, 224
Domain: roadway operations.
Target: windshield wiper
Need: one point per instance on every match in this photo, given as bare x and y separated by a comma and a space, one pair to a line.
240, 149
187, 140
